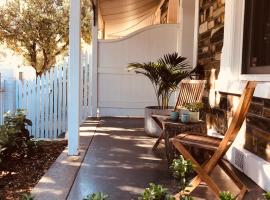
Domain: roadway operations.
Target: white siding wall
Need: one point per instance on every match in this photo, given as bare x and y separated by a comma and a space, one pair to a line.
123, 93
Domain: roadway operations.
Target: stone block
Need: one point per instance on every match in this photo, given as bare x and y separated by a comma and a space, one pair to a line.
219, 47
259, 122
258, 142
257, 100
256, 109
211, 24
217, 35
203, 28
219, 120
218, 56
266, 113
267, 103
205, 49
205, 35
219, 11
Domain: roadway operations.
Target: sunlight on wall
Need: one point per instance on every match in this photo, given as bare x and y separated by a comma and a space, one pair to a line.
212, 91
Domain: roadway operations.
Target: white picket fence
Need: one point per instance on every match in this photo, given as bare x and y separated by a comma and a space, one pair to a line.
45, 99
1, 101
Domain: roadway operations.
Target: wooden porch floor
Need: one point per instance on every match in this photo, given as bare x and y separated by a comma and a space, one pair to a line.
121, 163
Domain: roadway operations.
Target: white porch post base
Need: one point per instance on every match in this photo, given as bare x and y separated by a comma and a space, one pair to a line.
74, 74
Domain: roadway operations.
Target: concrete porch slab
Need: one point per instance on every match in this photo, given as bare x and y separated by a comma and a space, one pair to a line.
56, 183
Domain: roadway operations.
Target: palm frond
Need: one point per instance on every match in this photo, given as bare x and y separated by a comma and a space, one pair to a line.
165, 74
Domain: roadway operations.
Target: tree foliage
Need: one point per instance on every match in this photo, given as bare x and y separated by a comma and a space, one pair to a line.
39, 29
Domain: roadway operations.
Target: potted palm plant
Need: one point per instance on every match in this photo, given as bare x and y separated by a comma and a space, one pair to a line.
165, 75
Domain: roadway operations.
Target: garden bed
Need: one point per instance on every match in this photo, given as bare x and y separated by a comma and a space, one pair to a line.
18, 176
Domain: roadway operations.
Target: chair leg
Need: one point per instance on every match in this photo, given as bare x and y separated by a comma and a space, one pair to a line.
235, 179
200, 171
161, 137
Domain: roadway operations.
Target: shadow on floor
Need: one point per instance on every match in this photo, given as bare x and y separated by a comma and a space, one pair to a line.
121, 163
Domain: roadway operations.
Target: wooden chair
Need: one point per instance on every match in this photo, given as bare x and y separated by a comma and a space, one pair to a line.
218, 147
190, 91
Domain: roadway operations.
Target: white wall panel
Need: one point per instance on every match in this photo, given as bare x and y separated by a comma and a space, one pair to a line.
123, 93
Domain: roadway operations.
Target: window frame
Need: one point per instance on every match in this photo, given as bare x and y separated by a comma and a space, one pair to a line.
246, 68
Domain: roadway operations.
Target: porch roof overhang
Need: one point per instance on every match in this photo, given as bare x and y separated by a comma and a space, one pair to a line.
120, 16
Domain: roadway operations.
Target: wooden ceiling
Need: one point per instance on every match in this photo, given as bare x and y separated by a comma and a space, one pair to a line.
126, 13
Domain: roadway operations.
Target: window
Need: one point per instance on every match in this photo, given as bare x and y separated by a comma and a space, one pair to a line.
256, 43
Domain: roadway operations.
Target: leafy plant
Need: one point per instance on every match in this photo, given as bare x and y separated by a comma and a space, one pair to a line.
14, 137
165, 75
194, 107
96, 196
225, 195
156, 192
27, 197
267, 195
186, 198
182, 169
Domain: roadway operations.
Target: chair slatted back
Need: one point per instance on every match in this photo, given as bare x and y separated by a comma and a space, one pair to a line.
236, 123
190, 91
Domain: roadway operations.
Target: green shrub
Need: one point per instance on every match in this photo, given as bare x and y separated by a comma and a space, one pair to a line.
27, 197
186, 198
182, 170
96, 196
14, 137
267, 195
225, 195
156, 192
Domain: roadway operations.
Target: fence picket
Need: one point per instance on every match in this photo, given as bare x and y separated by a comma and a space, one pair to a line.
38, 107
31, 106
43, 87
46, 107
55, 97
50, 99
60, 95
85, 111
45, 99
64, 108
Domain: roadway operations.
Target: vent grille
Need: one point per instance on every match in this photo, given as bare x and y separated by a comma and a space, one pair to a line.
238, 159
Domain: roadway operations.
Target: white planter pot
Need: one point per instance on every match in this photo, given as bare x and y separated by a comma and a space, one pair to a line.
183, 111
194, 116
150, 126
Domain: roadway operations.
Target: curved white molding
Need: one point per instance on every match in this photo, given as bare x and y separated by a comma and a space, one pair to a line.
137, 32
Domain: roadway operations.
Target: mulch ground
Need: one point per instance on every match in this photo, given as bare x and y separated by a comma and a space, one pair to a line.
18, 176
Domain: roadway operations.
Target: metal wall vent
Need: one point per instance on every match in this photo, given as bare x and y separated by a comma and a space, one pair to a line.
238, 159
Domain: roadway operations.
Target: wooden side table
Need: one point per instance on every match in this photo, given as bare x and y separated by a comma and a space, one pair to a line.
171, 129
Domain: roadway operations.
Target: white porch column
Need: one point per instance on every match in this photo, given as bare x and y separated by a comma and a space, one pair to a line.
188, 30
94, 78
74, 77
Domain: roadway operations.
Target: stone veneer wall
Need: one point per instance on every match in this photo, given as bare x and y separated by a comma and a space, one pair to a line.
257, 137
210, 45
211, 31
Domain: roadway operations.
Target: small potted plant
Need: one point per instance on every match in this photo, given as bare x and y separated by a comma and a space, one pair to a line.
267, 195
96, 196
155, 192
225, 195
194, 110
182, 170
27, 196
